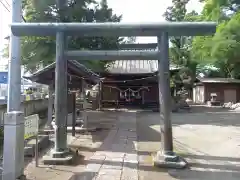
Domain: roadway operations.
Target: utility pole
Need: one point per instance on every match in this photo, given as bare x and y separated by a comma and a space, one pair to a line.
13, 153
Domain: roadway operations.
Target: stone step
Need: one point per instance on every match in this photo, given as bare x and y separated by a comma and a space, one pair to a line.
69, 129
43, 143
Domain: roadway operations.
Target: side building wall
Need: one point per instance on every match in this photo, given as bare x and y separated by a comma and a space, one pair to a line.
226, 92
199, 94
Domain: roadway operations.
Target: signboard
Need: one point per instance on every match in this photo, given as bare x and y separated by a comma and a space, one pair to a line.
3, 77
31, 126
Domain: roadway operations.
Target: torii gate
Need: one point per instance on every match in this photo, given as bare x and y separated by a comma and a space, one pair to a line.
13, 163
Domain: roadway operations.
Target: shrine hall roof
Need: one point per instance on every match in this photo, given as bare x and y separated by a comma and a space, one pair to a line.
218, 80
136, 67
75, 71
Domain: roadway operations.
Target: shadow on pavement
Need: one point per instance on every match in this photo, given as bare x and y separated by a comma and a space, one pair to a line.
215, 158
204, 167
208, 116
84, 176
201, 167
145, 132
203, 175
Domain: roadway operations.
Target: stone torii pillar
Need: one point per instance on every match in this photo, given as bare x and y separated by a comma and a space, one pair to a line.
13, 148
60, 150
166, 157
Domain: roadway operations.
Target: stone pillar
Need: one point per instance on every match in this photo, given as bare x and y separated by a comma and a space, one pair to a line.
60, 95
60, 154
13, 150
165, 94
166, 157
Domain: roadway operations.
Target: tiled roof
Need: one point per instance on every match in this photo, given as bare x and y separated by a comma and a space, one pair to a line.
218, 80
79, 69
135, 67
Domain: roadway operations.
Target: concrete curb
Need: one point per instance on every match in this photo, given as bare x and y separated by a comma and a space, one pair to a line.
69, 129
64, 159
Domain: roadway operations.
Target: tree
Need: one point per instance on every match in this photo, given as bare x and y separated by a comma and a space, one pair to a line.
174, 13
40, 51
221, 8
226, 46
222, 49
181, 46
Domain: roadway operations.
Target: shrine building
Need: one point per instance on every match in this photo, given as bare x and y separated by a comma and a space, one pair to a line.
131, 83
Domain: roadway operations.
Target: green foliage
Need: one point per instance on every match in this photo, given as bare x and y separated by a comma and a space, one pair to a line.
1, 137
225, 8
174, 13
181, 46
201, 49
226, 46
222, 49
40, 51
1, 132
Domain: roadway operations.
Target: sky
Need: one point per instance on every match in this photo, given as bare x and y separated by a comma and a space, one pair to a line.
146, 11
131, 10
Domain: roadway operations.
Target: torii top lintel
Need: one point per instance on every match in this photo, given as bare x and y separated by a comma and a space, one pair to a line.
115, 29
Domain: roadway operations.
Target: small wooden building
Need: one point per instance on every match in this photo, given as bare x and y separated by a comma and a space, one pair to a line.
75, 73
226, 89
78, 75
131, 83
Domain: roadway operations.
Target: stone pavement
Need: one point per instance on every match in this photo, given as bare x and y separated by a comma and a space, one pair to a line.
117, 157
209, 141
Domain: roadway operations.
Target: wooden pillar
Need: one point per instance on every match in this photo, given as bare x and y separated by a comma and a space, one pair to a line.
100, 95
50, 104
83, 102
73, 113
143, 98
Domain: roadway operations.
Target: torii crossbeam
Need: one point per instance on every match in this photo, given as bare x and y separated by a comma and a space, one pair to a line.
114, 29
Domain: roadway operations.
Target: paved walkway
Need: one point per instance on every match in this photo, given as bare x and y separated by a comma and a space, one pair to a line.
117, 158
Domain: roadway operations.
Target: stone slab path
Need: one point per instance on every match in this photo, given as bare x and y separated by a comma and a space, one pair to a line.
117, 157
